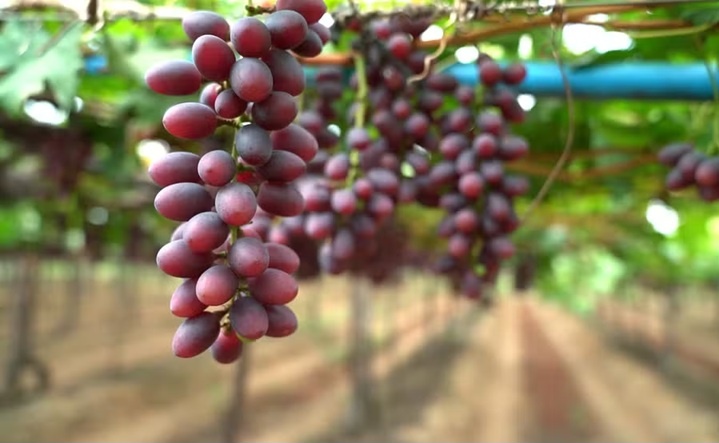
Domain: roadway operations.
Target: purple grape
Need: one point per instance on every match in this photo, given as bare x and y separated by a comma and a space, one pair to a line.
248, 318
176, 259
182, 201
250, 37
311, 46
251, 79
174, 77
311, 10
199, 23
195, 335
227, 348
297, 140
254, 145
175, 167
205, 232
277, 111
217, 168
282, 322
248, 257
213, 58
283, 166
229, 105
280, 199
319, 225
217, 285
190, 120
236, 204
287, 73
273, 287
288, 29
184, 302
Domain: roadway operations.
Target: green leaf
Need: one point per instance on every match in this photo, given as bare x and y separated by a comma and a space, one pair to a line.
45, 63
701, 15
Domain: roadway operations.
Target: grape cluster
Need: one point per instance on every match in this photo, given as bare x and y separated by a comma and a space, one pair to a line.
429, 141
236, 284
479, 201
691, 168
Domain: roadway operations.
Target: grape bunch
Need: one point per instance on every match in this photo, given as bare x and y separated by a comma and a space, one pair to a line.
236, 285
427, 140
691, 168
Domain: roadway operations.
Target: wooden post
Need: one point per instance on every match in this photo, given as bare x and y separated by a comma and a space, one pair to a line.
363, 410
234, 415
21, 353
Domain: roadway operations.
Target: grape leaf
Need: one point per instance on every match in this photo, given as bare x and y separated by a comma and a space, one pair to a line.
701, 15
43, 63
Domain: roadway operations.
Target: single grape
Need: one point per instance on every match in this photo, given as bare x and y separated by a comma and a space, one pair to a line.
248, 257
338, 166
380, 206
277, 111
251, 79
217, 285
205, 232
311, 46
513, 147
287, 73
485, 146
229, 105
514, 74
452, 145
670, 154
399, 45
417, 125
250, 38
190, 120
254, 145
492, 171
319, 225
176, 259
280, 199
199, 23
174, 167
363, 188
343, 245
322, 31
471, 185
174, 77
442, 82
297, 140
178, 232
466, 221
282, 322
248, 318
273, 287
311, 10
283, 166
344, 202
707, 173
490, 73
283, 258
288, 29
213, 58
236, 204
383, 180
227, 348
459, 246
217, 168
182, 201
209, 94
184, 302
195, 335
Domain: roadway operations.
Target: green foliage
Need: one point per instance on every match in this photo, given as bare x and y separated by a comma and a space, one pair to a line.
35, 62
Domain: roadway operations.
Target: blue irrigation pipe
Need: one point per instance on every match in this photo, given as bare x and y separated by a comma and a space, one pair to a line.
630, 80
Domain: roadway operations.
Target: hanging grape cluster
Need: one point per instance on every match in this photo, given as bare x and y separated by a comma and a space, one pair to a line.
236, 284
691, 168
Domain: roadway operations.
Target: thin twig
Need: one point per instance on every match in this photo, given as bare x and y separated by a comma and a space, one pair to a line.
566, 152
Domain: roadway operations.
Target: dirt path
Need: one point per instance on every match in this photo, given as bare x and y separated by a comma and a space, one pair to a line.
631, 401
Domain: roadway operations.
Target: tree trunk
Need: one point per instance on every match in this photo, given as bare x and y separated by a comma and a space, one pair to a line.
22, 318
232, 419
671, 314
363, 411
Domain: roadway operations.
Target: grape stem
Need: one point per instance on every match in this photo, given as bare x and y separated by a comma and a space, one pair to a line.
360, 112
567, 151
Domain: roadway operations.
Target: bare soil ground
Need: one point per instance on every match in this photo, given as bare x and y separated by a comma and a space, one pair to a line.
524, 371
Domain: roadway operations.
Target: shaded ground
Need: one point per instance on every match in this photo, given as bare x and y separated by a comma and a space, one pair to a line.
524, 371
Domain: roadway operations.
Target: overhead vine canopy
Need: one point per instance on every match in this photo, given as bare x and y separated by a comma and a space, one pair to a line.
75, 109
